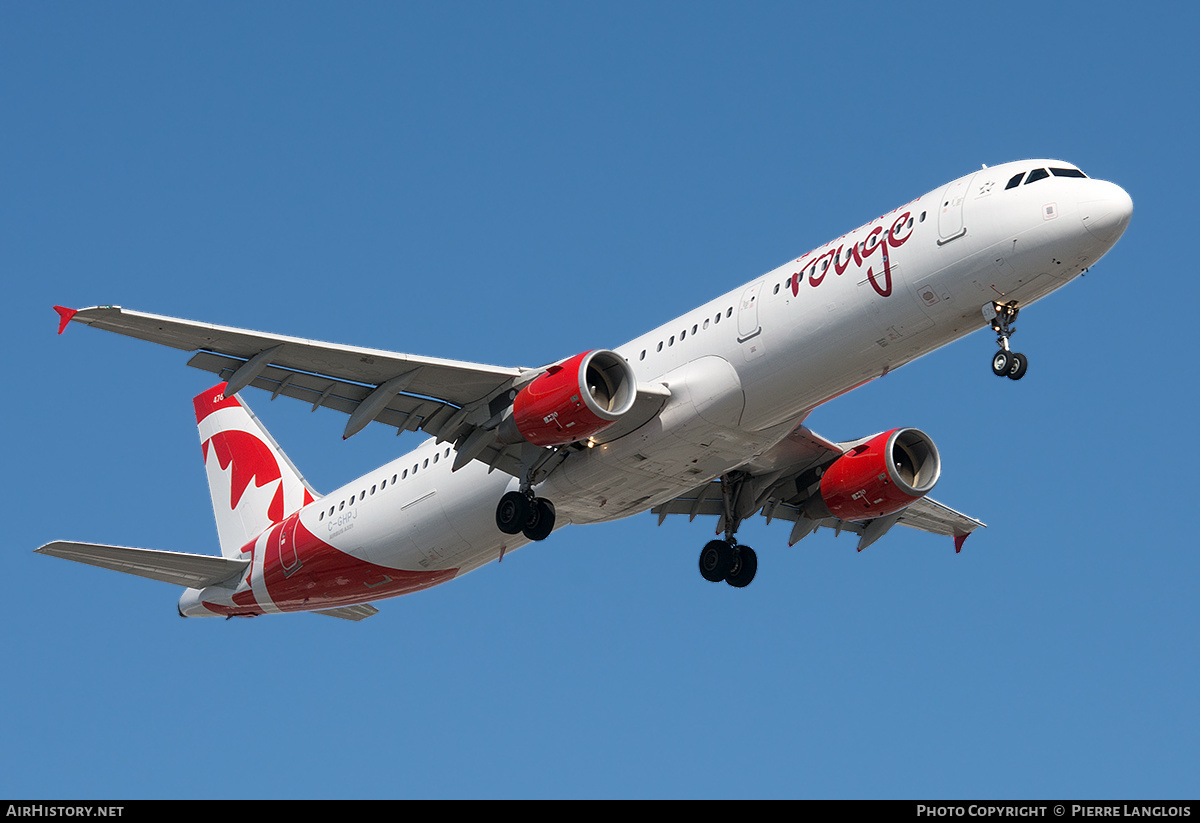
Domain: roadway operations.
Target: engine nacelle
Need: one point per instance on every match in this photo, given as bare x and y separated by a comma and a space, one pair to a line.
572, 400
881, 475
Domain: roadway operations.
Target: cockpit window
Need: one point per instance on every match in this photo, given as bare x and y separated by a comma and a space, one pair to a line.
1016, 181
1067, 173
1036, 175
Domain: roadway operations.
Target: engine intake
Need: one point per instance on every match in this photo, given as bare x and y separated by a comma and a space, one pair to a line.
572, 401
879, 476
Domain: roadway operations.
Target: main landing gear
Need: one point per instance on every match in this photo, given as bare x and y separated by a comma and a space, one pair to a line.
521, 512
1007, 363
725, 559
722, 560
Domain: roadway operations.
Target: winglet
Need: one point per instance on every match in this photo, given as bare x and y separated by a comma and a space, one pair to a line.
959, 539
64, 316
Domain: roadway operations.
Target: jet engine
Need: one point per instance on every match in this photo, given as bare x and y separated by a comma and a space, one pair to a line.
879, 476
572, 400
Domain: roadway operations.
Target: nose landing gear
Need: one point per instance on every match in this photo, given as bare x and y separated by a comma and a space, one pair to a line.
1006, 363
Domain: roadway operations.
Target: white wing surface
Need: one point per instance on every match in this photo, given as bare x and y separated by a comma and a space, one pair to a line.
778, 492
446, 398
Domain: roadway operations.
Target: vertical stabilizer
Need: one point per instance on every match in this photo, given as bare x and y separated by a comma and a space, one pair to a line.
252, 482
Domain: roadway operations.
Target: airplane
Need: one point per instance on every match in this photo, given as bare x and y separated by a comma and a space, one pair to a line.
703, 416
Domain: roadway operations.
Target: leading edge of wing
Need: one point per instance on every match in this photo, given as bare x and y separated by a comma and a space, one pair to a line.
190, 570
455, 381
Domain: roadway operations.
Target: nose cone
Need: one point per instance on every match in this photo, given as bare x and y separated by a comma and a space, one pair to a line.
1106, 209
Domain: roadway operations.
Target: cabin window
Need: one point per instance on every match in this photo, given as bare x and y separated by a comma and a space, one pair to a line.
394, 478
729, 312
659, 345
643, 355
1036, 175
671, 340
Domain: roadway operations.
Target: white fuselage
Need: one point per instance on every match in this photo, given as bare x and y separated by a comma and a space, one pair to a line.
745, 368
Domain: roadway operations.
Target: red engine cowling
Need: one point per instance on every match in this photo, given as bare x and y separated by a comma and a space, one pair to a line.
572, 400
881, 475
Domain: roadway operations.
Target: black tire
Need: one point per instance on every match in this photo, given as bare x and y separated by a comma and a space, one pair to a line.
1019, 364
512, 513
1001, 363
744, 568
541, 520
716, 561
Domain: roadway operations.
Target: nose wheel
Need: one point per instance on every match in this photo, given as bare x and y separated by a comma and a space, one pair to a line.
1009, 364
1006, 363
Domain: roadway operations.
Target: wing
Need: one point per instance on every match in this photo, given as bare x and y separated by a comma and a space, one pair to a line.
191, 570
777, 493
451, 400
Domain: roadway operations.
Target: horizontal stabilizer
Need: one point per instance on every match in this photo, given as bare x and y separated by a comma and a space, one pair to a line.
361, 612
191, 570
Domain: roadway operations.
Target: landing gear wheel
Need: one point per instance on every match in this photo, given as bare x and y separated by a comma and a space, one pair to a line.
541, 520
716, 561
1018, 366
743, 569
1006, 362
512, 512
1002, 362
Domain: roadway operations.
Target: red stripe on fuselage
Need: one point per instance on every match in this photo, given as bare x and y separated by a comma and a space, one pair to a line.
308, 573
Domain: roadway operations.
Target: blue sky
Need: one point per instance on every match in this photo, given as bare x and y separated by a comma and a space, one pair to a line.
516, 182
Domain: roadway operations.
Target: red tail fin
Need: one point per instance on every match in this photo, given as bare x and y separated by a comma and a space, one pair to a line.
253, 484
